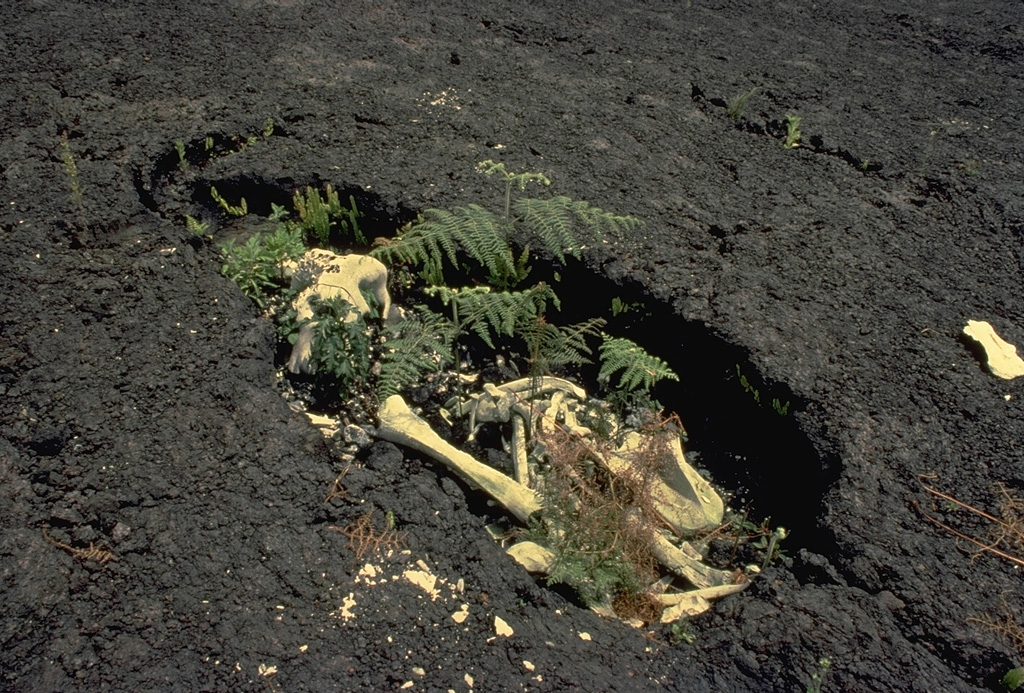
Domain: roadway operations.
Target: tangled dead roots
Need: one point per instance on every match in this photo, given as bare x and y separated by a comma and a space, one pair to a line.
599, 524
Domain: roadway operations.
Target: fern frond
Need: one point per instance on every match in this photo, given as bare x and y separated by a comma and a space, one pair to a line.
420, 345
438, 235
491, 314
563, 225
642, 370
552, 346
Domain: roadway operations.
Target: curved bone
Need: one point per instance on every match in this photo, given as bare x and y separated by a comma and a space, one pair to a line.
681, 496
399, 424
544, 385
321, 274
680, 563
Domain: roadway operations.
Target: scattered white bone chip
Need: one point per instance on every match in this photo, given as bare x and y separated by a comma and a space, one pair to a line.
690, 606
462, 614
419, 671
529, 665
502, 628
468, 679
265, 670
345, 611
368, 571
1002, 356
424, 580
534, 557
585, 636
407, 685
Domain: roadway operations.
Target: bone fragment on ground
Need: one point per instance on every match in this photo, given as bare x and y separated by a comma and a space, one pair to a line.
321, 274
532, 556
692, 605
1001, 356
708, 593
400, 425
683, 604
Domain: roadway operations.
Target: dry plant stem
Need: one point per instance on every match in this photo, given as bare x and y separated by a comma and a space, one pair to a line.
92, 553
1003, 624
363, 537
337, 490
1007, 527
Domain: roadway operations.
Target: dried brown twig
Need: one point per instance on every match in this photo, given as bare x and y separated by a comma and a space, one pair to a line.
337, 489
1004, 624
92, 553
1009, 527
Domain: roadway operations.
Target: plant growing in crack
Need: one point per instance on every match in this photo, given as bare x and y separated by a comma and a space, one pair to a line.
441, 241
793, 133
819, 675
239, 210
320, 216
71, 170
255, 266
738, 104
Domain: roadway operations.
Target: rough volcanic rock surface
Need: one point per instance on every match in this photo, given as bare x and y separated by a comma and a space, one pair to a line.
137, 385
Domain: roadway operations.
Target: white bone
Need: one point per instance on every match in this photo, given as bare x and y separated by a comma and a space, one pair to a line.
399, 424
532, 556
321, 274
1002, 357
677, 560
681, 496
519, 457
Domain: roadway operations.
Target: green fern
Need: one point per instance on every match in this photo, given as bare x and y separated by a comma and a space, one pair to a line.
558, 222
420, 345
642, 370
340, 349
553, 347
439, 235
491, 314
319, 215
255, 264
560, 226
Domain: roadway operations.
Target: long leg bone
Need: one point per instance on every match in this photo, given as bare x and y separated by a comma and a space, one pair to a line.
519, 457
399, 424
